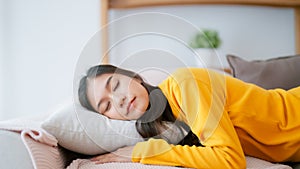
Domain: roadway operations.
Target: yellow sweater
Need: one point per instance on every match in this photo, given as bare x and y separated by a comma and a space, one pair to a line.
231, 118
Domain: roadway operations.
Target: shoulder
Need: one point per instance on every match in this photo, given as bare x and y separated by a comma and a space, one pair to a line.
183, 76
197, 77
193, 73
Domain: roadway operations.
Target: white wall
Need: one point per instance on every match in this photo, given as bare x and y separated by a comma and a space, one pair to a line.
2, 10
43, 40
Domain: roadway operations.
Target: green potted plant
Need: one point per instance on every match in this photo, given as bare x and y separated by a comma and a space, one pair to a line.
206, 43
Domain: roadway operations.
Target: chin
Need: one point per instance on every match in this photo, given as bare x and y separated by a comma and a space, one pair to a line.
137, 116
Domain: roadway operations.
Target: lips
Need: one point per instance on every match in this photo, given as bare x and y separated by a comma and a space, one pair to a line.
130, 104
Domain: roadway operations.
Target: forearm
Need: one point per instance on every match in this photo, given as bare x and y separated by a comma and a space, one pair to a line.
159, 152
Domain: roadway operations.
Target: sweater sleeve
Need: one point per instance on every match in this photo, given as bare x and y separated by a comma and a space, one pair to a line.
202, 106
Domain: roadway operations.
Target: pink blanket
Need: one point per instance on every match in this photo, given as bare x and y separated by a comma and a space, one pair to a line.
87, 164
44, 152
252, 163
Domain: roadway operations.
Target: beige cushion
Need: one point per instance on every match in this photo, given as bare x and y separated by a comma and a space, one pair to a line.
280, 72
85, 132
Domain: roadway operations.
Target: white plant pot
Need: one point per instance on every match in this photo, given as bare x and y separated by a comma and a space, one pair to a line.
206, 57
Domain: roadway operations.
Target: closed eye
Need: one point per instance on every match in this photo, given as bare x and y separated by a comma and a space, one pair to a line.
107, 106
117, 85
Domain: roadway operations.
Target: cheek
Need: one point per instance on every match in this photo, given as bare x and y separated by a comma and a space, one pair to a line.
139, 91
143, 94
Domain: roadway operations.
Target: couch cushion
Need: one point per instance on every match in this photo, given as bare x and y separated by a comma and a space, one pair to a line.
279, 72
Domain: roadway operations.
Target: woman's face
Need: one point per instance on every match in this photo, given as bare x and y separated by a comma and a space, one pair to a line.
117, 96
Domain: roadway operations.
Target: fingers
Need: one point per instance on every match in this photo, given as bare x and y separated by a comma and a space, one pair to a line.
106, 158
121, 155
110, 157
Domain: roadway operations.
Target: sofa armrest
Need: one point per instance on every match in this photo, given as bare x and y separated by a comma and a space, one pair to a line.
13, 152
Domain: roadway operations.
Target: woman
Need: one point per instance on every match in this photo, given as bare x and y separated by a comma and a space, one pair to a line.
228, 118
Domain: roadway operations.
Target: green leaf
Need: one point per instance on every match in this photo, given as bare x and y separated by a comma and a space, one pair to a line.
207, 38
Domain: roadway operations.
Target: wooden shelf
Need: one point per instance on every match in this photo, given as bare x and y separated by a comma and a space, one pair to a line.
146, 3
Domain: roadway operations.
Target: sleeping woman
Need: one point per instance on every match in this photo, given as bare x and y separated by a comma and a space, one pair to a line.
224, 118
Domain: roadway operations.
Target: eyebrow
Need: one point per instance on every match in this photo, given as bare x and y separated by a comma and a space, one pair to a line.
107, 88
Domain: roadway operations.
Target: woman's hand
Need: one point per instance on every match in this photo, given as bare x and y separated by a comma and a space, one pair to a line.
120, 155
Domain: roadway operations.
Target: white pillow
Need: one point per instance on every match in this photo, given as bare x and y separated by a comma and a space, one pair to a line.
86, 132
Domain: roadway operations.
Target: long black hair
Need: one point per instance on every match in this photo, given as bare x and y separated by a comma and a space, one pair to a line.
154, 121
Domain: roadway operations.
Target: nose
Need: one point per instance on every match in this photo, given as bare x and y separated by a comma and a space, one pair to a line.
119, 100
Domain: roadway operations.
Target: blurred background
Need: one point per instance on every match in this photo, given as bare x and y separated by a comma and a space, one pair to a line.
41, 42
